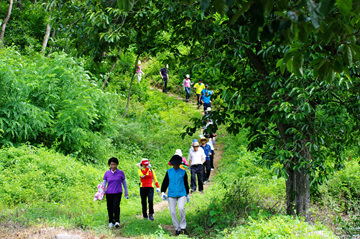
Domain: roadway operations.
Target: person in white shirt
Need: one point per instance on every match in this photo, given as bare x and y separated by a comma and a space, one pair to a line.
196, 159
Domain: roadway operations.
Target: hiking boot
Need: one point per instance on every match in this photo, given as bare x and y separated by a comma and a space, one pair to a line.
111, 225
117, 224
177, 233
151, 217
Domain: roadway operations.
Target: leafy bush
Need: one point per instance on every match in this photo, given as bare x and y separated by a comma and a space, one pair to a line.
279, 226
53, 101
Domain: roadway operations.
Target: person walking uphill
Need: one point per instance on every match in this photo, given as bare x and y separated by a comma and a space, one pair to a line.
115, 180
199, 87
196, 160
176, 182
147, 176
165, 77
187, 87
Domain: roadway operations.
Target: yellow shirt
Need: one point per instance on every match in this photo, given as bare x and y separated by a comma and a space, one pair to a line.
199, 87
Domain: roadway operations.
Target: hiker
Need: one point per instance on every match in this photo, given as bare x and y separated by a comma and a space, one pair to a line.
187, 87
147, 176
205, 98
184, 163
165, 77
196, 160
139, 72
198, 88
207, 151
176, 182
210, 143
115, 180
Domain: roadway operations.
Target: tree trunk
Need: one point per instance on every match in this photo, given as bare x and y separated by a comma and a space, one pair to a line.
5, 22
132, 80
298, 193
111, 70
46, 37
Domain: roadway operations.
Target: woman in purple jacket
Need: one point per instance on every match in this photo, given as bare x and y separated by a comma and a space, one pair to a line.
115, 179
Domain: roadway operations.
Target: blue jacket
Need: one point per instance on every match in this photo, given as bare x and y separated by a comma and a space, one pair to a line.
207, 151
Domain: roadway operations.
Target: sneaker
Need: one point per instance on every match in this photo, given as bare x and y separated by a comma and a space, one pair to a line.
117, 224
177, 233
111, 225
212, 169
183, 231
151, 217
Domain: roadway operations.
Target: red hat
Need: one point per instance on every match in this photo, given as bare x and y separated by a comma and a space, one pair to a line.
145, 161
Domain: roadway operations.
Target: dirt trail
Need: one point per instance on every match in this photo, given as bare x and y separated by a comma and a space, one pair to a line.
158, 207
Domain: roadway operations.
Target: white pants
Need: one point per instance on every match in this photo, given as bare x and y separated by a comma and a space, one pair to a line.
172, 206
139, 76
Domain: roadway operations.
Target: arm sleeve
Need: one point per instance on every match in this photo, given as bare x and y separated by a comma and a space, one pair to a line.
125, 186
165, 183
186, 183
142, 173
185, 162
155, 179
104, 183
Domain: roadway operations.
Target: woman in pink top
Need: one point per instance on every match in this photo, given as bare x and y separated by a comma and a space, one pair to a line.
187, 84
139, 72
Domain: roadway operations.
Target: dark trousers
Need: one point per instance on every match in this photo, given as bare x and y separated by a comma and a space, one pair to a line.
197, 170
198, 99
147, 193
212, 158
165, 80
113, 206
206, 105
207, 170
187, 90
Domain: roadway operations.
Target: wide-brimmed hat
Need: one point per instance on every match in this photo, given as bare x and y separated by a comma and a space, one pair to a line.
187, 76
206, 139
176, 159
178, 152
144, 161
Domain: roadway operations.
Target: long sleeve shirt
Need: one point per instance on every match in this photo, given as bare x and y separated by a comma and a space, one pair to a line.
146, 178
176, 181
115, 181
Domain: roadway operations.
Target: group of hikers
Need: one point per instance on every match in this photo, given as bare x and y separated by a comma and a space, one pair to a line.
203, 94
200, 163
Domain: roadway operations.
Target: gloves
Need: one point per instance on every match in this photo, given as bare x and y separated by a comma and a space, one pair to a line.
163, 196
188, 198
158, 190
149, 166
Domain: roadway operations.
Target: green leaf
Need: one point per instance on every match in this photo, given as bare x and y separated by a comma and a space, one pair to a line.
221, 6
348, 55
344, 6
125, 5
325, 7
243, 9
205, 4
268, 6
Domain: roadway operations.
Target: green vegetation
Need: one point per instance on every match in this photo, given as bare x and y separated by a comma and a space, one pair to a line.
285, 80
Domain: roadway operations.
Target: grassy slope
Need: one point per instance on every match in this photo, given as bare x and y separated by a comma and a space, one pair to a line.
56, 190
